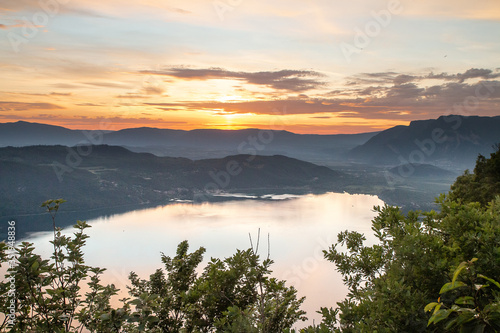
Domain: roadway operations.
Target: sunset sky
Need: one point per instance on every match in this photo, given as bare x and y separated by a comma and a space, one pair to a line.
319, 66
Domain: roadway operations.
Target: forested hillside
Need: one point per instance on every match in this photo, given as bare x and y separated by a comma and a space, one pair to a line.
452, 142
105, 176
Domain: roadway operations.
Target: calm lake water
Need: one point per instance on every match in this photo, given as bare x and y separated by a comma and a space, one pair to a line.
299, 227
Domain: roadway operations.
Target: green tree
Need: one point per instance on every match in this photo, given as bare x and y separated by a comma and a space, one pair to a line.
231, 295
481, 186
391, 282
163, 302
236, 294
48, 295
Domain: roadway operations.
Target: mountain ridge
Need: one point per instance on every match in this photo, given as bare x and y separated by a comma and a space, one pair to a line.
193, 144
112, 175
452, 142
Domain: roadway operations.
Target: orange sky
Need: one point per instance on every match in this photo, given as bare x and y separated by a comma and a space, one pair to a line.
316, 67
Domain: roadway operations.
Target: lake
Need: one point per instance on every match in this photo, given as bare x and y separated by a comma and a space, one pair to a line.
299, 228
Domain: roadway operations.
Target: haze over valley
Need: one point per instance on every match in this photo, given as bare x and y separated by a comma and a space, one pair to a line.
405, 166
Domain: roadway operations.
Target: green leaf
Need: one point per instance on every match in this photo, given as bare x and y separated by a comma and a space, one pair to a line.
490, 280
459, 269
451, 286
479, 328
439, 315
430, 306
451, 323
465, 300
465, 317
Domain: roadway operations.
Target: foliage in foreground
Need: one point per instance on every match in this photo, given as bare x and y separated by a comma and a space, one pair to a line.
452, 256
470, 302
482, 185
390, 283
236, 294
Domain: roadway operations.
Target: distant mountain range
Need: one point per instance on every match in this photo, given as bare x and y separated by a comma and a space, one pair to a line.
428, 171
195, 144
452, 142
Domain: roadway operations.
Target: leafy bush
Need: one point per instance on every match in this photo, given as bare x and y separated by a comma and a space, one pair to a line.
482, 185
236, 294
392, 282
471, 303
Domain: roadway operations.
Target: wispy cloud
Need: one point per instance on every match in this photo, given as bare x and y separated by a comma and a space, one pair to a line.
19, 24
21, 106
179, 10
153, 90
290, 80
60, 94
472, 73
109, 85
402, 78
88, 104
132, 95
82, 122
40, 94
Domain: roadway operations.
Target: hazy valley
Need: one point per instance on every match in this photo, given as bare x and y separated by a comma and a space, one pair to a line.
404, 166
